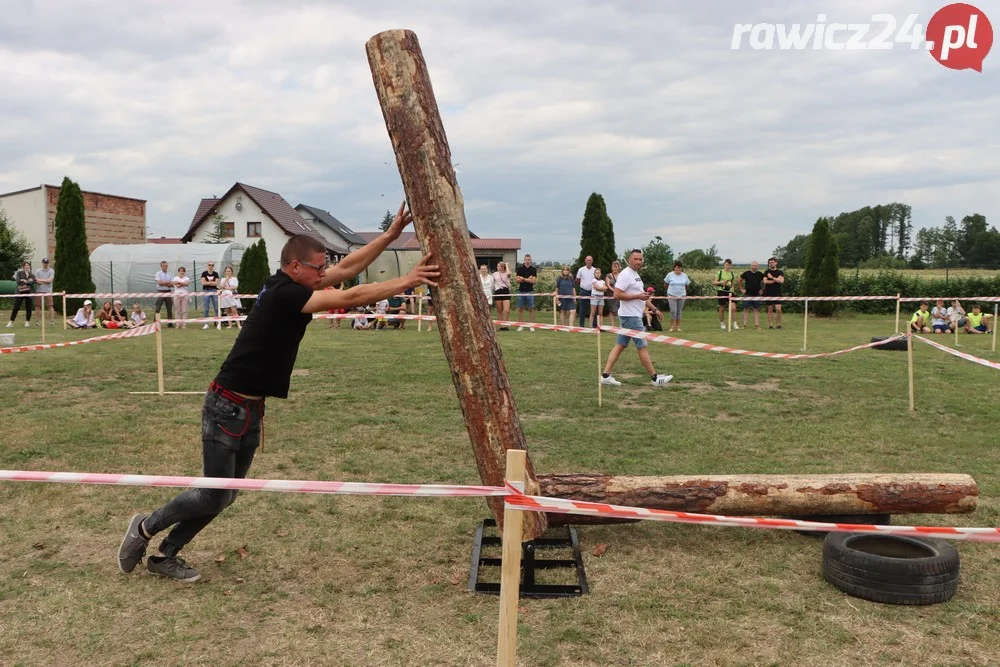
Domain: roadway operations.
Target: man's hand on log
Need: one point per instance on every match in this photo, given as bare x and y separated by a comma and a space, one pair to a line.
399, 223
423, 273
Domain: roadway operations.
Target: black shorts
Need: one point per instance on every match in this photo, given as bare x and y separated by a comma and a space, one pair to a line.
502, 294
772, 302
723, 297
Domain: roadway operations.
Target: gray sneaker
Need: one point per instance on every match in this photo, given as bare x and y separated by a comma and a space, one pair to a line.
133, 546
172, 568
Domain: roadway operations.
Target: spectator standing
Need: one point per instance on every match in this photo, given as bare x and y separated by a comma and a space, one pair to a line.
25, 280
501, 293
164, 285
527, 275
751, 282
486, 280
43, 285
228, 303
632, 296
210, 293
181, 282
585, 283
611, 303
724, 282
774, 278
597, 299
676, 283
84, 318
566, 289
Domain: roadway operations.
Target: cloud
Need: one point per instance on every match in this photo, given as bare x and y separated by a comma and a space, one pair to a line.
543, 103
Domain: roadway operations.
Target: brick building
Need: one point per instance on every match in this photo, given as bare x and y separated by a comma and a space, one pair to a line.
109, 218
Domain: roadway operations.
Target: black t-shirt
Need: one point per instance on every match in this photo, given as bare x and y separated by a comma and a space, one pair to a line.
260, 363
752, 281
526, 272
119, 315
774, 289
210, 276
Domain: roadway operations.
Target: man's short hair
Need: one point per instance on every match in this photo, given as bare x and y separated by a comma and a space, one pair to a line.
634, 250
527, 256
772, 259
727, 261
300, 247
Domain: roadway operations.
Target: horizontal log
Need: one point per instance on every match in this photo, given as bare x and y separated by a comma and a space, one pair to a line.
768, 495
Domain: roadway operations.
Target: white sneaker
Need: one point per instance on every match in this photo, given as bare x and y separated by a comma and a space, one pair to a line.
610, 380
205, 327
662, 380
722, 326
736, 326
520, 328
10, 324
27, 324
531, 328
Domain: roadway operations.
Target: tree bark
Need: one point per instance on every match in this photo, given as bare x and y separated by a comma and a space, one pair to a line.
768, 495
463, 316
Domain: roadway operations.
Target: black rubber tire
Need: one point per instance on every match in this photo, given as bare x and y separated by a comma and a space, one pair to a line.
893, 569
867, 519
898, 345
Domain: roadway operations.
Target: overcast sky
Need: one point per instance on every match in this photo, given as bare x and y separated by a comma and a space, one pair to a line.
543, 102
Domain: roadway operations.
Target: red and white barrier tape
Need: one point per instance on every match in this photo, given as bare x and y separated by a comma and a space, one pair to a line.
513, 497
32, 295
961, 355
150, 295
681, 342
144, 330
200, 320
526, 503
549, 327
812, 298
284, 485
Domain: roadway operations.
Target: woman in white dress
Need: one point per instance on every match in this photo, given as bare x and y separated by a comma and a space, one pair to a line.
181, 282
486, 278
228, 303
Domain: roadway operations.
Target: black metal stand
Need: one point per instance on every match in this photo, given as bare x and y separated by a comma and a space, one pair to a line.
530, 588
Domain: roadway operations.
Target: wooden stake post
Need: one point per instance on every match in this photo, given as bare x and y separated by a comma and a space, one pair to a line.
41, 307
909, 365
897, 311
805, 327
469, 340
65, 314
600, 371
420, 313
994, 323
510, 569
159, 356
555, 309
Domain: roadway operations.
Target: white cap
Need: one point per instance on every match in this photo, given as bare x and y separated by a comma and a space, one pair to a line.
88, 302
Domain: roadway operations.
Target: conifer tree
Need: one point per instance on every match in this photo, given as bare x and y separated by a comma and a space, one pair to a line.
72, 257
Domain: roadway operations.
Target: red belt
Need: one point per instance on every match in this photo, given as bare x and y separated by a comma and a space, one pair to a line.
232, 396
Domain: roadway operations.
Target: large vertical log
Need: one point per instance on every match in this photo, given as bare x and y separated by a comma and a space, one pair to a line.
424, 158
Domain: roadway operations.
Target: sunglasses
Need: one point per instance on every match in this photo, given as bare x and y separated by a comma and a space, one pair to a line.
318, 267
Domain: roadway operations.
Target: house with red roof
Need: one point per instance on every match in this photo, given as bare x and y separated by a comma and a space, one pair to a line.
248, 214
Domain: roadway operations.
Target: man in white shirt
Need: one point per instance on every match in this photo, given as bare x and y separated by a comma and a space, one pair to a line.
164, 285
585, 283
632, 296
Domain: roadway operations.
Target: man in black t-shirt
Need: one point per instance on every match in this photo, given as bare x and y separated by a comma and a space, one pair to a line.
751, 283
773, 279
527, 275
260, 365
210, 289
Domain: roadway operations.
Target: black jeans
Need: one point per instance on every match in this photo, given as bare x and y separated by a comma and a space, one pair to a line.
29, 306
165, 300
230, 435
583, 307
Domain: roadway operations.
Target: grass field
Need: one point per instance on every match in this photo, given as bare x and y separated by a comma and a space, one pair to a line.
325, 580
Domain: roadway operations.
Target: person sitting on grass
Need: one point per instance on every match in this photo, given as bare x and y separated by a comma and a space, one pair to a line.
361, 321
397, 307
138, 317
105, 320
652, 317
120, 315
978, 321
957, 315
940, 321
84, 318
921, 320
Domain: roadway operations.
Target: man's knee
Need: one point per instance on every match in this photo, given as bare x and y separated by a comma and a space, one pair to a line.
216, 500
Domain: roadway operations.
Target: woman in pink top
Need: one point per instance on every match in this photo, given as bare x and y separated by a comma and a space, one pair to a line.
501, 292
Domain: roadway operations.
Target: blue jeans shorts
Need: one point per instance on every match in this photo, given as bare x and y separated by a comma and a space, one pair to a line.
631, 323
526, 301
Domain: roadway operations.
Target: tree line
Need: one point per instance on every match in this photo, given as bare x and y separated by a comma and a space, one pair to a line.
882, 237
